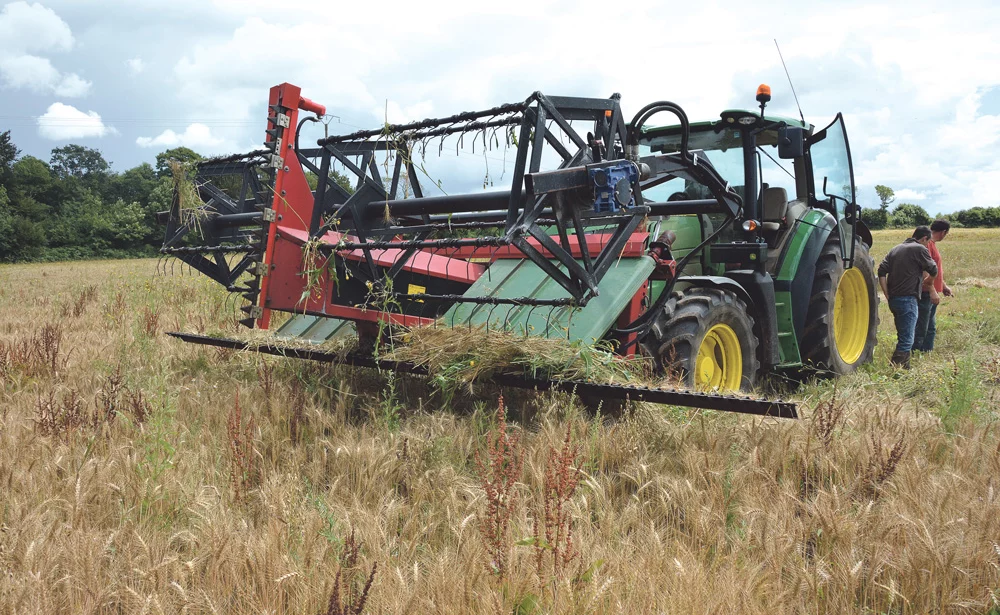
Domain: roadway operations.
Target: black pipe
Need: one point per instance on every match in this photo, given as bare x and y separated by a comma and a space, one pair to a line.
484, 201
230, 220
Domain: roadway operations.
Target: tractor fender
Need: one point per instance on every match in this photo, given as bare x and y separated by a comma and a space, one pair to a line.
756, 290
865, 234
800, 285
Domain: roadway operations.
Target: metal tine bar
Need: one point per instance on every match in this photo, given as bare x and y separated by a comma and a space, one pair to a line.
431, 122
518, 179
569, 322
548, 320
489, 318
527, 319
454, 128
506, 319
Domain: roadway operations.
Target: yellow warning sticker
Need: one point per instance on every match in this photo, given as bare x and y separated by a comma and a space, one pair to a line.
413, 289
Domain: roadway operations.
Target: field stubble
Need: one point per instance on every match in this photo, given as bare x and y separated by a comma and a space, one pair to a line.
142, 475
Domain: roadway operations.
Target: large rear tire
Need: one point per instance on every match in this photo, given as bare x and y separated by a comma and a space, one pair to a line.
842, 320
705, 337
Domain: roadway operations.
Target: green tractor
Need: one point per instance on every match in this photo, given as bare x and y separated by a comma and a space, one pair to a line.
794, 287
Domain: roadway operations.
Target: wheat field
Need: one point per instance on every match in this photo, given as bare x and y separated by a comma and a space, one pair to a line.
139, 474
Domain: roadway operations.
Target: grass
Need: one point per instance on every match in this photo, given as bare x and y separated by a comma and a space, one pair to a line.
882, 499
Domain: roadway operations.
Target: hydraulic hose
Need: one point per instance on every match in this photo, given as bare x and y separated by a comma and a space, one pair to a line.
635, 127
642, 324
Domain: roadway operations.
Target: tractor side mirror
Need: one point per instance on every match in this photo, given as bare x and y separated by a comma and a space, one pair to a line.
791, 142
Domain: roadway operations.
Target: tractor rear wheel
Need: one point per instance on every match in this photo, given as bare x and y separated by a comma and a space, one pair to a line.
842, 320
705, 337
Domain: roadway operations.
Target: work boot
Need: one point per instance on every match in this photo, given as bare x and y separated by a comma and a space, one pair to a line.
901, 359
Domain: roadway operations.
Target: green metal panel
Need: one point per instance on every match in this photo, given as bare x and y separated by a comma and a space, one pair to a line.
315, 329
788, 346
511, 279
688, 229
296, 325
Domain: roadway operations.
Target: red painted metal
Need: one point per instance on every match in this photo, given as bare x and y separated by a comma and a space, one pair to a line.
423, 262
289, 292
313, 107
292, 202
632, 311
634, 247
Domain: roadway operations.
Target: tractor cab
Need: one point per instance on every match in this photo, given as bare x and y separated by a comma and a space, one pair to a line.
780, 168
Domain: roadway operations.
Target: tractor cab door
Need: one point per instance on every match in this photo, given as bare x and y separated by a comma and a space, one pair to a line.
833, 181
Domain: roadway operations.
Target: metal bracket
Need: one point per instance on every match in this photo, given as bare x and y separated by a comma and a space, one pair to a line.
269, 215
281, 120
275, 161
260, 269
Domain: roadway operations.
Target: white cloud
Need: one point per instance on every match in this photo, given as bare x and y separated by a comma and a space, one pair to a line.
72, 86
63, 122
194, 136
28, 71
26, 28
135, 65
32, 27
394, 114
38, 74
906, 195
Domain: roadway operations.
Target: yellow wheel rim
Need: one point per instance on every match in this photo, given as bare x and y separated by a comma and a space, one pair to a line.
719, 364
850, 315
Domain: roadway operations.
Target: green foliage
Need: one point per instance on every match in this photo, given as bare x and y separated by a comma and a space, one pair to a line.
183, 155
886, 196
342, 180
875, 219
78, 161
907, 215
77, 207
31, 177
8, 154
978, 217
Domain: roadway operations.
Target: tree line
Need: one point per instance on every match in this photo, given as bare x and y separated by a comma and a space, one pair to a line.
908, 215
74, 206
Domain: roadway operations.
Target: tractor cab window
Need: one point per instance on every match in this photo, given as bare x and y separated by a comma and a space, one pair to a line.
722, 150
774, 172
833, 177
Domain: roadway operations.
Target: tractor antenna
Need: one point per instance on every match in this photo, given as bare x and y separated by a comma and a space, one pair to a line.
783, 65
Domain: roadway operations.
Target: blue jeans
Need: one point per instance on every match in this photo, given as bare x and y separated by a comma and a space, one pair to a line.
923, 339
904, 311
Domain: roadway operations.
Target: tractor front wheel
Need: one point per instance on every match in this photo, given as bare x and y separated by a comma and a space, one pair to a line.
705, 338
842, 319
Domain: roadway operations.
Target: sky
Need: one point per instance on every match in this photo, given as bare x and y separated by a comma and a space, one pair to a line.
918, 82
